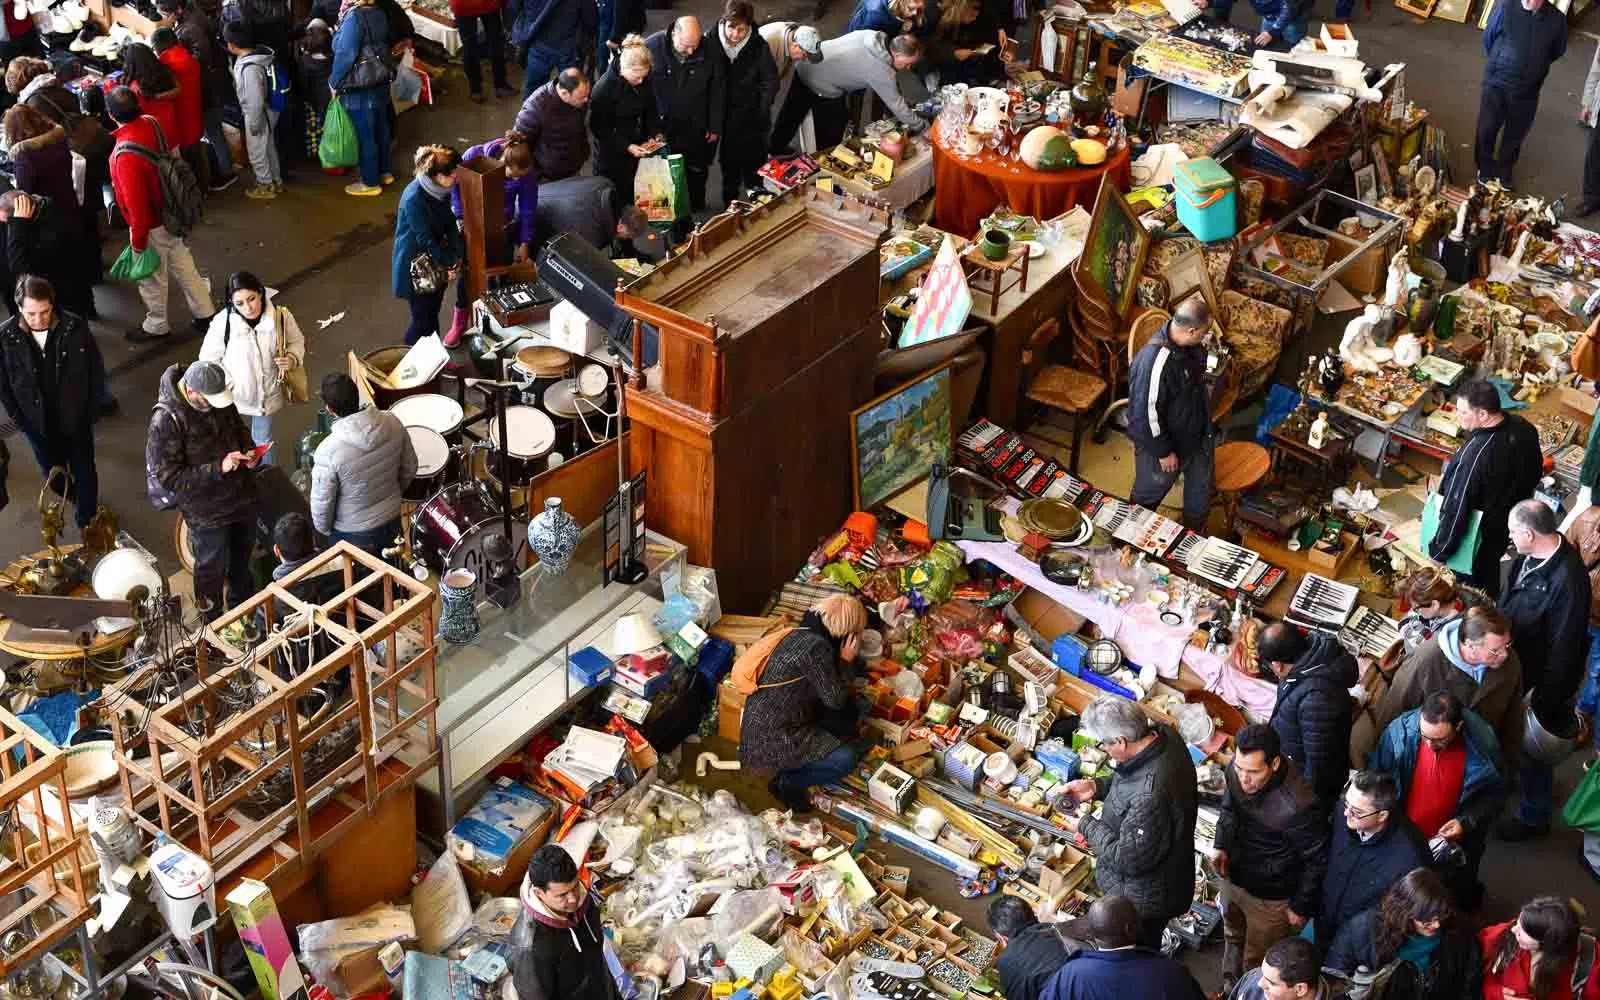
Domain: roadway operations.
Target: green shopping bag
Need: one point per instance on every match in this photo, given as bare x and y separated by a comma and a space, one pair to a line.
131, 266
1582, 811
338, 147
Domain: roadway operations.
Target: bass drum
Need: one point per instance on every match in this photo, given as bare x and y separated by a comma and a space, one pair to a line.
449, 530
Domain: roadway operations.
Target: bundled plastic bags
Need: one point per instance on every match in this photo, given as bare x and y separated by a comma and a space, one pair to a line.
135, 266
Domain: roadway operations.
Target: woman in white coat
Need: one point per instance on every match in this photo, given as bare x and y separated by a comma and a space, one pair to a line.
255, 341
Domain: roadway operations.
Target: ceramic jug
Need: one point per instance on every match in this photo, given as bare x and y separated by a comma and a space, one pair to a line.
458, 618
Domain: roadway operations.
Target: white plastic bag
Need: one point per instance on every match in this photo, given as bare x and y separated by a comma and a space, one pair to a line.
653, 189
440, 907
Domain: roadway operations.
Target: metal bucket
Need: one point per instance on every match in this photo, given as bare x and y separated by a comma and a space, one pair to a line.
1545, 746
385, 360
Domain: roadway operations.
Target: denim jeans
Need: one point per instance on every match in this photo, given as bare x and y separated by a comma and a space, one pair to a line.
424, 315
543, 61
218, 141
1589, 694
822, 771
374, 138
478, 33
374, 540
261, 433
1538, 792
77, 454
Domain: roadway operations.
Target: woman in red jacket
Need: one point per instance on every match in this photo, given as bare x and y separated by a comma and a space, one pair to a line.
1537, 956
153, 81
191, 110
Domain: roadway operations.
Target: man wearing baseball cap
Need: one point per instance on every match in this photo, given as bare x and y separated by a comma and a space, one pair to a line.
791, 42
200, 452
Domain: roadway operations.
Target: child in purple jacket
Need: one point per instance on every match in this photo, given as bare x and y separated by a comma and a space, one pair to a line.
522, 196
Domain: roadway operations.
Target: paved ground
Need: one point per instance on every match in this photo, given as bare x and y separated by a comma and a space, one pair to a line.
328, 253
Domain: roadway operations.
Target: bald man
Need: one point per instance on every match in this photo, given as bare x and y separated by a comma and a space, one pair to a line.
1119, 968
1169, 415
691, 96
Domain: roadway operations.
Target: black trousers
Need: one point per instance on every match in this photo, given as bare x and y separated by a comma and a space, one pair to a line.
1505, 117
828, 117
77, 454
697, 157
480, 35
742, 155
424, 315
222, 557
1591, 170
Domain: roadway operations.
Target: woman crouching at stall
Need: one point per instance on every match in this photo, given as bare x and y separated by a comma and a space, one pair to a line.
799, 710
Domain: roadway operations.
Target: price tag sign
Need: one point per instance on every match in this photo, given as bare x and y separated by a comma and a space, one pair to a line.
882, 167
825, 184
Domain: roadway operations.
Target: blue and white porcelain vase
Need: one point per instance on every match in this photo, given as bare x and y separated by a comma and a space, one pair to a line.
553, 536
458, 620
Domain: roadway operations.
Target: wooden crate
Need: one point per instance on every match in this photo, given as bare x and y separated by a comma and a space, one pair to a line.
217, 746
46, 883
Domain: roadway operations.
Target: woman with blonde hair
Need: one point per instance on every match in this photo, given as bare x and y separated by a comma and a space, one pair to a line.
427, 245
799, 710
623, 117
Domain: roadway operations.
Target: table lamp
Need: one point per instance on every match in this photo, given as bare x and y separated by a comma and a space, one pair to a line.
633, 634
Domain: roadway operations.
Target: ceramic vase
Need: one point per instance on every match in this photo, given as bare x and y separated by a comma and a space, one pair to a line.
995, 245
1089, 97
1421, 306
458, 619
553, 536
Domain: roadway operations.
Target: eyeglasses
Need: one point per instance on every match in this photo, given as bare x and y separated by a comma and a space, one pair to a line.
1351, 811
1440, 743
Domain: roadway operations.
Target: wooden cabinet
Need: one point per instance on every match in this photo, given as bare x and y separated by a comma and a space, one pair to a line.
767, 332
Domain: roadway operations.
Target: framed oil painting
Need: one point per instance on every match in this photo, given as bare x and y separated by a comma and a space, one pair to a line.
897, 438
1114, 251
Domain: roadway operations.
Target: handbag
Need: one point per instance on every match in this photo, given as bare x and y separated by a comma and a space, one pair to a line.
296, 384
427, 276
373, 68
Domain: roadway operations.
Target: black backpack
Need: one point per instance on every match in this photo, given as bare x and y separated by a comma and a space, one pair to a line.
182, 201
161, 498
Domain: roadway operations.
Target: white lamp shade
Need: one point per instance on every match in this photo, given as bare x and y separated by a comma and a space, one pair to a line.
633, 634
120, 571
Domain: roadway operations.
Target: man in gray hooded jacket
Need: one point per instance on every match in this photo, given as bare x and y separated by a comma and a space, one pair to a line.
252, 79
360, 470
860, 60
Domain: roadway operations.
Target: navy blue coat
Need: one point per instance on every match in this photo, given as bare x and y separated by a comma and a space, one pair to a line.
565, 28
1285, 20
1456, 970
1521, 45
362, 26
1314, 714
1129, 974
424, 224
1169, 409
1359, 872
875, 15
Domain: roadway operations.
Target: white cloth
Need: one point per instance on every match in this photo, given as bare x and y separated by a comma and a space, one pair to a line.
178, 262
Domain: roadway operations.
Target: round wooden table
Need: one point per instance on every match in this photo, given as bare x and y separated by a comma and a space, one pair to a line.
103, 645
1239, 467
967, 190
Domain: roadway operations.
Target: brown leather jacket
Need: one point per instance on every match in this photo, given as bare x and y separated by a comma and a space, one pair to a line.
1584, 534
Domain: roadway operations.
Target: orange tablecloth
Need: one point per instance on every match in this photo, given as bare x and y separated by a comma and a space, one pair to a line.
967, 190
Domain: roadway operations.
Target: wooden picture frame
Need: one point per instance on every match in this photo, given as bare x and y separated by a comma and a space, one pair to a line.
914, 415
1185, 275
1115, 237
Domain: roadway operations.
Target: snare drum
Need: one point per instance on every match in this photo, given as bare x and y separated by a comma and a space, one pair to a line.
434, 462
540, 368
440, 414
529, 437
449, 530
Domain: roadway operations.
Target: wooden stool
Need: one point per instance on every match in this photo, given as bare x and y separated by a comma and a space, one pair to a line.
989, 276
1239, 467
1073, 392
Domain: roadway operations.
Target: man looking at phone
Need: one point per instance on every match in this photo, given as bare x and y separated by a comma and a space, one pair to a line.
200, 449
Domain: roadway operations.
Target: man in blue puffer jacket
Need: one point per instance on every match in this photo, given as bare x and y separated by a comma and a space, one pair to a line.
556, 34
1283, 22
1446, 760
1522, 40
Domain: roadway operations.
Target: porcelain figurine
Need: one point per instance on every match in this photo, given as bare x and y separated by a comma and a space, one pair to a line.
1330, 374
1407, 349
1394, 289
553, 536
1422, 305
1317, 436
1357, 347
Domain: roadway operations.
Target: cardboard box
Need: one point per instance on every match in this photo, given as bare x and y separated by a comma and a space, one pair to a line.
266, 943
496, 838
1368, 272
1577, 400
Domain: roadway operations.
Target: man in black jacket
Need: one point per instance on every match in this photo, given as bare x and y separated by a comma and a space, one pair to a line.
1497, 466
34, 245
557, 944
199, 449
1271, 845
691, 94
1373, 845
1522, 40
1547, 601
751, 82
51, 380
1314, 714
1033, 950
1169, 415
1143, 839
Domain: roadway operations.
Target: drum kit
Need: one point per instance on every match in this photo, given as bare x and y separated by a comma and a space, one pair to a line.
547, 410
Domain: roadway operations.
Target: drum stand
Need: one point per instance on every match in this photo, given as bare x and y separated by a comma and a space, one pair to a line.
504, 592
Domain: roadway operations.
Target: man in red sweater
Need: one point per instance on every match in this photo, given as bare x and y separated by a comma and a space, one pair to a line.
138, 189
1447, 763
191, 96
